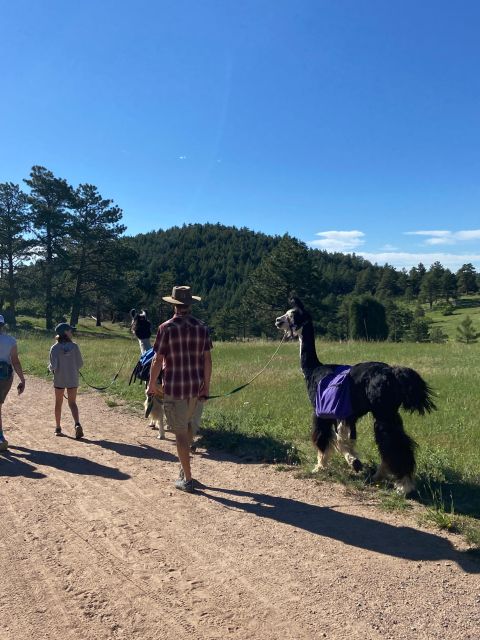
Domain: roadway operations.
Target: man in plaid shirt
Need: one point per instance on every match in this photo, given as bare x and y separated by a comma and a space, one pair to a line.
182, 354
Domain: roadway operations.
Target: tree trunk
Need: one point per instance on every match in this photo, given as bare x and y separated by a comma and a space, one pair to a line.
48, 283
76, 303
77, 296
12, 292
99, 314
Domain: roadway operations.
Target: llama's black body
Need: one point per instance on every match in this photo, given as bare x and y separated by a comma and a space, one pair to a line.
375, 387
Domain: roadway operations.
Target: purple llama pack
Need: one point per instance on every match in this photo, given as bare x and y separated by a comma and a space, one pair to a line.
333, 395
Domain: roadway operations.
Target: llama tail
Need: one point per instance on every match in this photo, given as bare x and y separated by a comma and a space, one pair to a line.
416, 393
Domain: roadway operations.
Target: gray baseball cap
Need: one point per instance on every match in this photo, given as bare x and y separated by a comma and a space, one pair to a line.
62, 328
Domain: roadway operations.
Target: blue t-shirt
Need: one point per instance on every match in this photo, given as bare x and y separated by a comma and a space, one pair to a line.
7, 343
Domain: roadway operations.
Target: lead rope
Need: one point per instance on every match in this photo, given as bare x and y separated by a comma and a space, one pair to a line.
230, 393
112, 380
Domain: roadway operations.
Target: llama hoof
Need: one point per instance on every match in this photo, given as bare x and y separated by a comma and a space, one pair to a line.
161, 436
405, 486
357, 466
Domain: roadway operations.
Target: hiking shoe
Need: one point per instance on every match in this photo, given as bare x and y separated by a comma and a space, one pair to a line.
3, 442
58, 431
78, 432
185, 485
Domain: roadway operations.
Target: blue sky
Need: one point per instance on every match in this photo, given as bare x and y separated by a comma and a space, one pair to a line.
352, 124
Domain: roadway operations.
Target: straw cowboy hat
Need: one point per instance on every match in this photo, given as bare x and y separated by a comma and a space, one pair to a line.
181, 296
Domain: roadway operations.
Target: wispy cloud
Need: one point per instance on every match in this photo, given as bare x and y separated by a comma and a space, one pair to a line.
354, 241
403, 259
439, 237
342, 241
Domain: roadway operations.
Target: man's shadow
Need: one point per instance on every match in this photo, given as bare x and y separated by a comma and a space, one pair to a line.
356, 531
23, 462
11, 466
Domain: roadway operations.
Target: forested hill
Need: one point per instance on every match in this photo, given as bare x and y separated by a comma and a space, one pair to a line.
63, 254
237, 272
215, 260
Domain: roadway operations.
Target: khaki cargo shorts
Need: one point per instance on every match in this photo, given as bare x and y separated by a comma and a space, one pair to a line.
179, 412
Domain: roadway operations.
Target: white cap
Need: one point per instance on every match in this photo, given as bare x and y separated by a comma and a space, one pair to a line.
2, 320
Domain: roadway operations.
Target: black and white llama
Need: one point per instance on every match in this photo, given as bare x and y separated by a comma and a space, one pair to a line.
375, 387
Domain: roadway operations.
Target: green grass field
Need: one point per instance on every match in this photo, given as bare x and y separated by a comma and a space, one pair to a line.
270, 420
466, 306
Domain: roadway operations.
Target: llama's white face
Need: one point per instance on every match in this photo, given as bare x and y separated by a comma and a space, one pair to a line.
289, 322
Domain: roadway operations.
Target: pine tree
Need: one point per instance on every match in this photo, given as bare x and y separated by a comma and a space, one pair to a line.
14, 245
49, 199
94, 232
387, 287
418, 332
437, 335
287, 268
448, 285
415, 277
399, 321
466, 277
430, 289
466, 332
366, 281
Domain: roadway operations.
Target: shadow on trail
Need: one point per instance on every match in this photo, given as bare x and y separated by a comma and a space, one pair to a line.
356, 531
134, 451
248, 447
453, 492
13, 467
22, 457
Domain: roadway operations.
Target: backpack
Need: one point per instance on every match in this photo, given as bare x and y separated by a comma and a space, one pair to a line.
141, 370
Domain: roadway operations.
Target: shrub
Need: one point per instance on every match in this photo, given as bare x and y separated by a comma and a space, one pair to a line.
438, 335
367, 319
466, 332
418, 331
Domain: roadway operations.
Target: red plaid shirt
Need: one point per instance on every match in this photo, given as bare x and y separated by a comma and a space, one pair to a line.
182, 341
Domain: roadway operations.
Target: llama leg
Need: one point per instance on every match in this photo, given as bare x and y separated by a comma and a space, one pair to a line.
160, 423
381, 473
345, 445
322, 437
396, 450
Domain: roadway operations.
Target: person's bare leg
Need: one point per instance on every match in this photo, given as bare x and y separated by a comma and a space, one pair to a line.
3, 441
72, 403
58, 406
183, 450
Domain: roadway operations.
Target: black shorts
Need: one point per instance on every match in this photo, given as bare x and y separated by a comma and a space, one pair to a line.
5, 386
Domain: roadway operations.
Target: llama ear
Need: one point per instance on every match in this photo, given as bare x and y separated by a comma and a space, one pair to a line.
133, 313
294, 301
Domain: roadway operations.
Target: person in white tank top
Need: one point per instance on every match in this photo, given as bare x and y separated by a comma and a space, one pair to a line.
9, 362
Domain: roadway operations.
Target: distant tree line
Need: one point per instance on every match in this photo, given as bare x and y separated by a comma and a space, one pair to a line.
64, 254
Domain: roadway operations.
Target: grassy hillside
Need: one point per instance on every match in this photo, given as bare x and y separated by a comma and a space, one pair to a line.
465, 306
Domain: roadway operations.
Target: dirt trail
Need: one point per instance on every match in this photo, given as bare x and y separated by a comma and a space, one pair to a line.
97, 544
